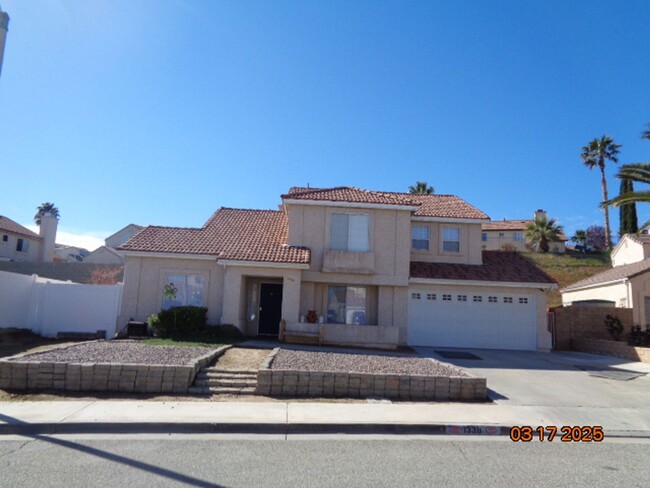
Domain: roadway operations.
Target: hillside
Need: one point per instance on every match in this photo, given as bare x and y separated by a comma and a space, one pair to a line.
569, 268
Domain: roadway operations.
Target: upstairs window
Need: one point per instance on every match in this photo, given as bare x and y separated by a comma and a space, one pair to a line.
518, 236
350, 232
451, 239
5, 238
484, 236
420, 238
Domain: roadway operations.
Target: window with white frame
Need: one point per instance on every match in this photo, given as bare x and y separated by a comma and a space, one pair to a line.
188, 290
477, 298
518, 236
431, 296
446, 297
502, 234
350, 232
451, 239
462, 298
523, 300
492, 300
415, 296
420, 238
507, 299
22, 245
347, 305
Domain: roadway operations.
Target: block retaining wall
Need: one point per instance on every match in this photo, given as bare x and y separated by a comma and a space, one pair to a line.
362, 385
132, 378
612, 348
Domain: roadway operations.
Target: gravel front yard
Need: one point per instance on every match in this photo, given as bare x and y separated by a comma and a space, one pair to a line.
361, 363
120, 353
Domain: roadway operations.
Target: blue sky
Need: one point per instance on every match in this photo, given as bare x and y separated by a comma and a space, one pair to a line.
159, 112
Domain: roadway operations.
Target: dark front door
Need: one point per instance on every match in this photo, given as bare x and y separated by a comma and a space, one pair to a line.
270, 308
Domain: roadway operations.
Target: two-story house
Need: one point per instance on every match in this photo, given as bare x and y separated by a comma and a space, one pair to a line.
18, 243
511, 235
357, 267
108, 254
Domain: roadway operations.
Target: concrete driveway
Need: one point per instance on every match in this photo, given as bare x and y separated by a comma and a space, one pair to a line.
558, 379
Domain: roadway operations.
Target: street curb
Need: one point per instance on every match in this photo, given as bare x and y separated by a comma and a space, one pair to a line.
35, 429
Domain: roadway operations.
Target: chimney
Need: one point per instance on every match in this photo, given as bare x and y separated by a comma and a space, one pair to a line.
47, 232
540, 214
4, 24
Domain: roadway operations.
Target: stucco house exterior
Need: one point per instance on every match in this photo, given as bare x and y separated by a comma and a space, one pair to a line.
510, 234
18, 243
356, 267
108, 254
625, 285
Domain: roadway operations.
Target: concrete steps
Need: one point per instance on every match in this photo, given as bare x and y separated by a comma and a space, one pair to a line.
216, 381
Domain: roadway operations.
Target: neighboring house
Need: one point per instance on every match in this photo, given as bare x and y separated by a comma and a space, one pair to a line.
18, 243
69, 254
108, 254
377, 268
511, 235
626, 285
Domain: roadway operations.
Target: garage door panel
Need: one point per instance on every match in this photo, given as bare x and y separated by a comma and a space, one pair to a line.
471, 319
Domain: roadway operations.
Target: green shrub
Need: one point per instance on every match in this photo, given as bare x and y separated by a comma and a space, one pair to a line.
179, 322
614, 326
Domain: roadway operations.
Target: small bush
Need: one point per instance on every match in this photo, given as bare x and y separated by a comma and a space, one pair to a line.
179, 322
638, 337
614, 326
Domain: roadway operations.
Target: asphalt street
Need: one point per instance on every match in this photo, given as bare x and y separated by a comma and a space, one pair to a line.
213, 461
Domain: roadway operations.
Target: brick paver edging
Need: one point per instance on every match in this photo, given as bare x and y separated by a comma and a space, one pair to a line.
354, 385
131, 378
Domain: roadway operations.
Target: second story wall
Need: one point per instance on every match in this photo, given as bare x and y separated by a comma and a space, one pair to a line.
16, 247
441, 246
388, 245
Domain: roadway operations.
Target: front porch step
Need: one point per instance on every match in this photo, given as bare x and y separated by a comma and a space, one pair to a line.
219, 381
227, 382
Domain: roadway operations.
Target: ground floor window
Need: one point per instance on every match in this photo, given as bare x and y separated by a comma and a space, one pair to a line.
188, 290
346, 305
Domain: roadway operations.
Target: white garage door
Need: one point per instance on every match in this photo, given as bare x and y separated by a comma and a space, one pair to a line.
443, 318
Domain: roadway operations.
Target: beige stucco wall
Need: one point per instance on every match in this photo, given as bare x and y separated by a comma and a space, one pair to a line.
121, 236
640, 290
102, 255
470, 244
8, 249
144, 279
309, 225
627, 251
620, 293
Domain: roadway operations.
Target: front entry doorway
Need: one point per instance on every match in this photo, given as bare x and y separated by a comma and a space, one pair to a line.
270, 309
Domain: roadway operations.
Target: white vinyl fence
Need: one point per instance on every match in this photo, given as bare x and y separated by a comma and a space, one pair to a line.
49, 306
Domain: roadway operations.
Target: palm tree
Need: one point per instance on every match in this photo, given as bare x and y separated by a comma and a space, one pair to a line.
595, 154
646, 133
580, 238
422, 188
542, 231
42, 209
636, 172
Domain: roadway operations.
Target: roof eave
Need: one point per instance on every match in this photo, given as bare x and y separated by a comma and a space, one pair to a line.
505, 284
331, 203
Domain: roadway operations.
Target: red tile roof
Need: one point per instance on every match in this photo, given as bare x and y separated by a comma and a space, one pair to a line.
8, 225
497, 266
617, 273
433, 205
235, 234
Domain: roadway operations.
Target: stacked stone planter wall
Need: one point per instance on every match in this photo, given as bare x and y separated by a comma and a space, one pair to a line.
132, 378
612, 348
359, 385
